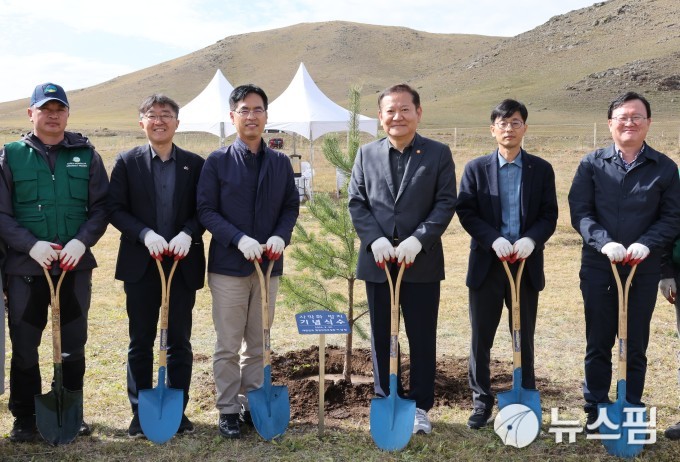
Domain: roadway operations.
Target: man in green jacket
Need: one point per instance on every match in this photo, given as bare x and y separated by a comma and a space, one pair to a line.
52, 210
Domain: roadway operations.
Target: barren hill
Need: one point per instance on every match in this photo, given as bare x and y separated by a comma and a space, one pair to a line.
567, 68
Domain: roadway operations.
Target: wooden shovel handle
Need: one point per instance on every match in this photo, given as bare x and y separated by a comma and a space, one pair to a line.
56, 314
264, 301
394, 317
623, 319
516, 312
626, 289
165, 309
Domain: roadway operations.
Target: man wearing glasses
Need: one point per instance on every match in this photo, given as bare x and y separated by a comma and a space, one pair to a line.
152, 201
508, 204
248, 200
625, 203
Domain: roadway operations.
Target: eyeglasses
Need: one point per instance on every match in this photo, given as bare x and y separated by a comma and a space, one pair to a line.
503, 125
163, 117
636, 119
246, 112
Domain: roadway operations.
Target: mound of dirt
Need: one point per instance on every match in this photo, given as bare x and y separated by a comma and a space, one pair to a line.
299, 370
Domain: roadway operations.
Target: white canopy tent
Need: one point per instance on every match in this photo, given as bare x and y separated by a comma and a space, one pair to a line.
209, 111
304, 109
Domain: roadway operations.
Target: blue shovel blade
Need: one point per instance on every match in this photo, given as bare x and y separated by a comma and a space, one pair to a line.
160, 410
518, 395
626, 444
392, 419
269, 408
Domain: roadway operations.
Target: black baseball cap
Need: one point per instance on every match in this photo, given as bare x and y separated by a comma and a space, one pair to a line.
48, 92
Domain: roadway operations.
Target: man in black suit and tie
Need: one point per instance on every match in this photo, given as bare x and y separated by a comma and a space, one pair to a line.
508, 205
402, 196
152, 201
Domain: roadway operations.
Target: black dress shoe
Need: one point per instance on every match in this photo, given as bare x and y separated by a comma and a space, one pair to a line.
135, 429
245, 417
186, 427
591, 418
229, 426
23, 430
85, 429
673, 432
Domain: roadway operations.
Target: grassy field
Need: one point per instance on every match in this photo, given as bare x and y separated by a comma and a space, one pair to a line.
559, 342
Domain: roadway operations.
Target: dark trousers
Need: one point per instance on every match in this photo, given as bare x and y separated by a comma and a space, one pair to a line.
600, 300
143, 308
28, 299
486, 308
419, 306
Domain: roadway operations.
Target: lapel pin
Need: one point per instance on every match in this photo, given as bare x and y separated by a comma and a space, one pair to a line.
417, 151
186, 167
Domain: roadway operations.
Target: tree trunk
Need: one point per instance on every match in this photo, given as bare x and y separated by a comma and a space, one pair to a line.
347, 366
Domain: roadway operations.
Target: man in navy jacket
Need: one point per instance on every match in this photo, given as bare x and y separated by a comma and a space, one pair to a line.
508, 205
246, 197
625, 203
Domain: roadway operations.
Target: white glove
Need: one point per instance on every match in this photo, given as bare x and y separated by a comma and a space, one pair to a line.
180, 245
71, 254
407, 250
523, 247
250, 248
44, 253
275, 246
614, 251
668, 289
636, 253
383, 251
503, 248
156, 244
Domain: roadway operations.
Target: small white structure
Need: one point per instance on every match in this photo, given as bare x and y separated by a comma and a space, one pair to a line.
209, 111
304, 109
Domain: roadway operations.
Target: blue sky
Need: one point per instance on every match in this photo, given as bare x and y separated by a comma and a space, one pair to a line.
81, 43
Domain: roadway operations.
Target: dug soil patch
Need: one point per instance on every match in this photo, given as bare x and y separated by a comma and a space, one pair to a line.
299, 370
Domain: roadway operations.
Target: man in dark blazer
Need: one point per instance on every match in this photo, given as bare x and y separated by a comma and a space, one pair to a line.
508, 205
152, 200
402, 196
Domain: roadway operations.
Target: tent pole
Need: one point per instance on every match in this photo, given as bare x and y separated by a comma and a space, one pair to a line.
311, 161
222, 134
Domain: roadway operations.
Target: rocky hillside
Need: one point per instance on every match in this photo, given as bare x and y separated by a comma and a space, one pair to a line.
573, 64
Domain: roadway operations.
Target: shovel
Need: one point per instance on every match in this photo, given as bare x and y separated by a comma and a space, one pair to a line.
269, 405
392, 417
518, 395
58, 413
160, 409
618, 433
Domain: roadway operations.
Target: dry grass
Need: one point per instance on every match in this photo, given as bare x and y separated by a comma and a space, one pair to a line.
559, 348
